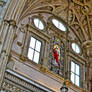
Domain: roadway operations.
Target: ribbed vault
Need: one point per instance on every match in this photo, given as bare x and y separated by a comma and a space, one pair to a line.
80, 15
80, 18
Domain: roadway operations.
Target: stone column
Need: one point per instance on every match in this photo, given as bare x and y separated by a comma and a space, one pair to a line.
88, 50
7, 43
24, 46
3, 33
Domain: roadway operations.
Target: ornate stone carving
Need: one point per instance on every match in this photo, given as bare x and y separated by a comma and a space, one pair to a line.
11, 22
12, 83
88, 46
80, 22
11, 88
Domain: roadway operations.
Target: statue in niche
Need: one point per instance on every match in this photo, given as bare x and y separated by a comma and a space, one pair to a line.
56, 56
56, 53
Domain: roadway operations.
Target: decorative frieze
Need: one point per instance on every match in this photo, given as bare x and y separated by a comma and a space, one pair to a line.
14, 81
11, 88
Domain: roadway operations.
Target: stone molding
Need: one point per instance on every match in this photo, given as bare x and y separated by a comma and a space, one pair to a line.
13, 79
11, 22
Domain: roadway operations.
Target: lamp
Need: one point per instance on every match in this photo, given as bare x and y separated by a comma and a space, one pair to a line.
64, 88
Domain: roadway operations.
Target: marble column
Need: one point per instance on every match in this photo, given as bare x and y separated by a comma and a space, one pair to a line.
3, 33
6, 47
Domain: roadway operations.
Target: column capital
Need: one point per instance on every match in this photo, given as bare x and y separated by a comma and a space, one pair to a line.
11, 22
87, 45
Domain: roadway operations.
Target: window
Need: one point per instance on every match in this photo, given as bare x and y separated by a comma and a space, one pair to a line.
75, 73
34, 50
59, 24
75, 48
38, 23
56, 56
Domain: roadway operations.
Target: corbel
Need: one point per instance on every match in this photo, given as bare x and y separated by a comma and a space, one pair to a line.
11, 22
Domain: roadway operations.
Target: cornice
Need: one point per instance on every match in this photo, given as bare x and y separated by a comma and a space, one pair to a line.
77, 57
41, 34
24, 82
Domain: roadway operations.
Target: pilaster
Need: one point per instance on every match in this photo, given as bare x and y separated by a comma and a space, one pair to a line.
88, 51
6, 47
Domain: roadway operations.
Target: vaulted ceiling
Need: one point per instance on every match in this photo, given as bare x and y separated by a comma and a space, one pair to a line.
79, 16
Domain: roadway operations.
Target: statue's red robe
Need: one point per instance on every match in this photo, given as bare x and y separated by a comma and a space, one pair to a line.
56, 56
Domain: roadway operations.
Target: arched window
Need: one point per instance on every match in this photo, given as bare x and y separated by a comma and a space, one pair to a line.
75, 73
75, 48
75, 70
58, 24
34, 50
38, 23
56, 56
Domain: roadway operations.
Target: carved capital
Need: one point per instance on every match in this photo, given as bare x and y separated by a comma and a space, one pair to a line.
11, 22
68, 83
85, 90
23, 58
43, 69
88, 47
85, 9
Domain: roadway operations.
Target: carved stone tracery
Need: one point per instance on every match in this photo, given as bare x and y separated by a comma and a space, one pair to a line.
80, 18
